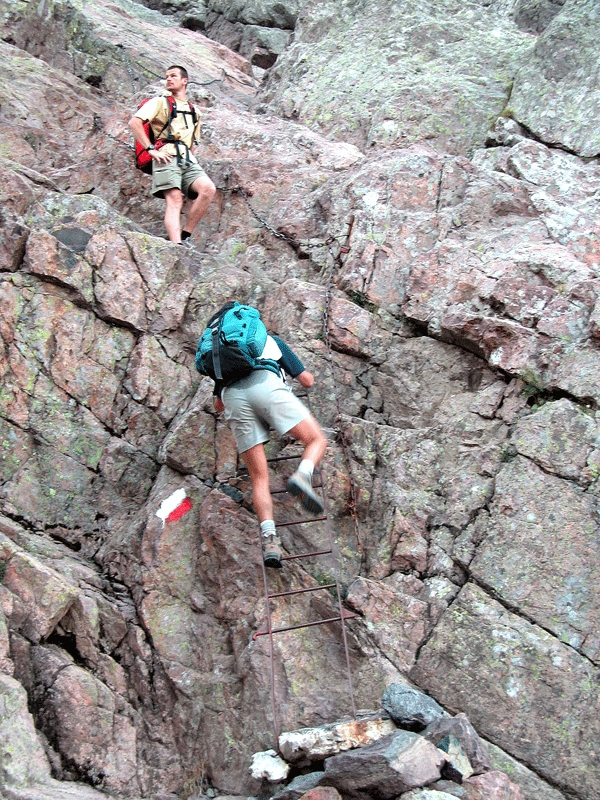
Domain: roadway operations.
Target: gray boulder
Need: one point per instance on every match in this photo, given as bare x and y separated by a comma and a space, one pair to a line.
299, 786
410, 708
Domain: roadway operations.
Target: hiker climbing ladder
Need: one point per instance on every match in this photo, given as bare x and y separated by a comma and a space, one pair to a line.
342, 615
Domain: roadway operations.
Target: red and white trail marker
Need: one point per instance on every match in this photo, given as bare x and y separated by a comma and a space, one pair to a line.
174, 506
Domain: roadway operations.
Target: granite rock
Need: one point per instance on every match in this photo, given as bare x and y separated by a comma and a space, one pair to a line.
480, 644
459, 390
393, 765
555, 94
462, 731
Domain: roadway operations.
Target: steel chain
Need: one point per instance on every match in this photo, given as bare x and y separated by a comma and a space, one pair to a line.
129, 70
224, 74
295, 243
98, 125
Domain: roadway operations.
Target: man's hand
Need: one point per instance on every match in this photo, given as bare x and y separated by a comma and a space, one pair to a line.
219, 405
160, 156
306, 379
136, 125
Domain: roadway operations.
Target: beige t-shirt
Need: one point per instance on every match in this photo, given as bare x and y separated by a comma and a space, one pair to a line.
156, 112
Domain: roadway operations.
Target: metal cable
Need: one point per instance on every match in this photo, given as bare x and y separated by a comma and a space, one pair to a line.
337, 263
295, 243
128, 66
336, 555
98, 125
224, 74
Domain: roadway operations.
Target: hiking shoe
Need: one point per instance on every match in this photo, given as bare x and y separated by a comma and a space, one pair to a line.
300, 486
272, 551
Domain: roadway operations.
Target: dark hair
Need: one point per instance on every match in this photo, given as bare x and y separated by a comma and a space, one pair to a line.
182, 70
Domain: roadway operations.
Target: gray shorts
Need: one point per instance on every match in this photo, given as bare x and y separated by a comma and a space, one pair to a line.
257, 403
171, 176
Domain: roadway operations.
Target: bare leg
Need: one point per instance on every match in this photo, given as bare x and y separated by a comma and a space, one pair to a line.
174, 200
256, 461
206, 191
311, 436
300, 483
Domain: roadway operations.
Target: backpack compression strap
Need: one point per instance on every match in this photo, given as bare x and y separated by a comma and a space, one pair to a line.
216, 332
215, 352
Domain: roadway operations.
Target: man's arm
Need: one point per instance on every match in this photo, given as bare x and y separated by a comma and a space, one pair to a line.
136, 125
292, 364
289, 360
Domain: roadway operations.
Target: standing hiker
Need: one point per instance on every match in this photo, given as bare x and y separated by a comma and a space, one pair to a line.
250, 389
175, 170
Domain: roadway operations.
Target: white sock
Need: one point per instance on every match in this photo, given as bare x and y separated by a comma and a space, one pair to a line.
306, 468
267, 527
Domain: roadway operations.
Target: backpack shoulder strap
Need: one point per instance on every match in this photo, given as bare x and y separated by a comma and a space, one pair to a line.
172, 105
170, 114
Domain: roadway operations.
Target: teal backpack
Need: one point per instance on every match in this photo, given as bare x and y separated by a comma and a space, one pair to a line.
231, 345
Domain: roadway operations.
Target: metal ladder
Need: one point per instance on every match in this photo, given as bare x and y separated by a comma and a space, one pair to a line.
343, 614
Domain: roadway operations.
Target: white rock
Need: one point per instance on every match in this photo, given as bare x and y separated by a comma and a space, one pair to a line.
270, 766
327, 740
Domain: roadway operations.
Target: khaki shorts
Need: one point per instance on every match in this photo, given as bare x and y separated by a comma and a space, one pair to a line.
171, 176
257, 403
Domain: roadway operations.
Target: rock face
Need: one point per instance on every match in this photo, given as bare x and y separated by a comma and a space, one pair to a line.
259, 30
399, 73
556, 94
533, 668
457, 375
390, 74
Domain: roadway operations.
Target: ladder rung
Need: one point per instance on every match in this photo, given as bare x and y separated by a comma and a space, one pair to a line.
306, 555
299, 522
302, 591
331, 434
348, 615
281, 491
283, 458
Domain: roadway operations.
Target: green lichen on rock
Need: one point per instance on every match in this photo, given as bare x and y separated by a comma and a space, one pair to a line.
410, 73
556, 92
